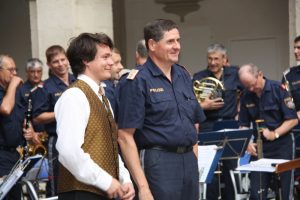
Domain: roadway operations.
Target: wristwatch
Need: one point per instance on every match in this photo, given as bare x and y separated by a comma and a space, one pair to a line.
276, 135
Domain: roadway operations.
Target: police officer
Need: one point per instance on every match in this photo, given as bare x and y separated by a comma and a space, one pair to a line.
293, 77
157, 114
11, 119
110, 85
34, 72
43, 105
220, 108
268, 100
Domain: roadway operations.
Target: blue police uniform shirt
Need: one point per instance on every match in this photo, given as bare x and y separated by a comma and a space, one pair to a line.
11, 126
294, 83
110, 93
232, 84
271, 107
46, 98
162, 112
25, 93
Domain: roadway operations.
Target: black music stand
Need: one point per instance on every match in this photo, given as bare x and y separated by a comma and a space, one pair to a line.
235, 141
20, 168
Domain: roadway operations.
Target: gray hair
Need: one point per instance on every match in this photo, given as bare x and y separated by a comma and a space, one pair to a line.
217, 48
141, 49
33, 63
2, 56
249, 68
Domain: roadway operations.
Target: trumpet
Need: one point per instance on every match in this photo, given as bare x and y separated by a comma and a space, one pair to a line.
208, 87
259, 129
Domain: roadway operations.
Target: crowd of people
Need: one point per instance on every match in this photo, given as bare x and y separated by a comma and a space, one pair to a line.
134, 135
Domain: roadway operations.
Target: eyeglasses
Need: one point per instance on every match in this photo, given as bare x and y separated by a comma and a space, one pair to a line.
11, 70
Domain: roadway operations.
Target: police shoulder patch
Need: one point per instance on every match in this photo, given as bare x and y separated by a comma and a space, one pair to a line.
132, 74
289, 103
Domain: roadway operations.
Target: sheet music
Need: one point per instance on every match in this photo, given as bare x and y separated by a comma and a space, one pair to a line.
206, 155
262, 165
229, 129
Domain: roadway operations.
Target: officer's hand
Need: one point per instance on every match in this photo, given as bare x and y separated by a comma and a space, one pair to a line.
115, 190
269, 135
251, 149
298, 114
145, 194
16, 81
212, 104
128, 189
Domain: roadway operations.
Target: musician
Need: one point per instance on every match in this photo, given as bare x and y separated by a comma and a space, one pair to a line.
267, 100
34, 72
157, 114
11, 120
221, 108
44, 100
293, 77
87, 135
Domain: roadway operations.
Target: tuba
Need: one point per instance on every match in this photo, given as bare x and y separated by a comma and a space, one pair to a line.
208, 87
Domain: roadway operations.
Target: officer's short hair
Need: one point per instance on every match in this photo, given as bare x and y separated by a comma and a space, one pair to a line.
155, 29
33, 63
297, 39
53, 51
141, 49
83, 48
217, 48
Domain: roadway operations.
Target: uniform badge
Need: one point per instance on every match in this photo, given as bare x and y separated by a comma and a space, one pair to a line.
289, 103
132, 74
250, 105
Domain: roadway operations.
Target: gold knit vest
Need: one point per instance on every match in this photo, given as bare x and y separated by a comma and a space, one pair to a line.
100, 141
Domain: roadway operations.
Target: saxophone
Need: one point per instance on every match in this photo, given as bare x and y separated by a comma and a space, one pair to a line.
33, 149
259, 129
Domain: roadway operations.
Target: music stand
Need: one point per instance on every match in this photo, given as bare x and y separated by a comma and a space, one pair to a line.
235, 140
21, 167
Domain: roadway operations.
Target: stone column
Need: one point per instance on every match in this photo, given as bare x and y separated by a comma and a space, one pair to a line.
56, 21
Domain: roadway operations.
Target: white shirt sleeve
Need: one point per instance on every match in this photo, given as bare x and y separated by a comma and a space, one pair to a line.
72, 112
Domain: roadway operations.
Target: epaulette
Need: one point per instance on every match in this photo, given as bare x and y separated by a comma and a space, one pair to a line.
183, 67
36, 87
132, 74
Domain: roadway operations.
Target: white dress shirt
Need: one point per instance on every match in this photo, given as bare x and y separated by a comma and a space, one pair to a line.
72, 113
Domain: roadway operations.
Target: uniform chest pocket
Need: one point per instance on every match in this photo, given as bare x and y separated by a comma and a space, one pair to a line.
271, 107
189, 104
156, 98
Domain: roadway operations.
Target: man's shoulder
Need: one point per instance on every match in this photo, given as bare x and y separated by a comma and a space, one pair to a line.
201, 74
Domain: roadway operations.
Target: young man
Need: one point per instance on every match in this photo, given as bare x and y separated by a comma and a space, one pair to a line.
87, 136
110, 85
267, 100
157, 116
293, 77
44, 101
11, 120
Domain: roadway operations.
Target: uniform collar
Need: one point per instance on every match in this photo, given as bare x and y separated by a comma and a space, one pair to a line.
267, 86
58, 81
155, 70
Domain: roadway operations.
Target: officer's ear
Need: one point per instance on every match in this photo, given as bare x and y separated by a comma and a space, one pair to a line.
152, 44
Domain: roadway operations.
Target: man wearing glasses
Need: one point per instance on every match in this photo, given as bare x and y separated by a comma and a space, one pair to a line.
267, 100
11, 119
